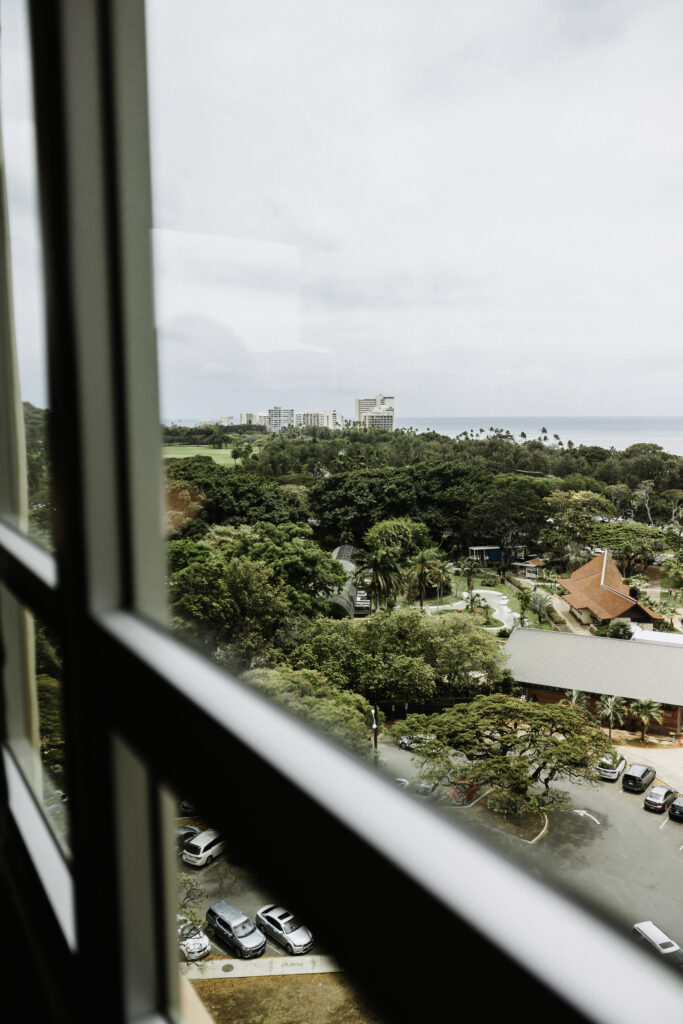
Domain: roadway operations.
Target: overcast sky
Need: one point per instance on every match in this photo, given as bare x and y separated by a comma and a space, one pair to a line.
475, 206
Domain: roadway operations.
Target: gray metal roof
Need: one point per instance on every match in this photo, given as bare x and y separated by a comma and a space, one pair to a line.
596, 664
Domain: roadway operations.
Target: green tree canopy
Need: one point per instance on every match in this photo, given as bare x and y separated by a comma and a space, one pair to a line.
308, 574
518, 748
343, 716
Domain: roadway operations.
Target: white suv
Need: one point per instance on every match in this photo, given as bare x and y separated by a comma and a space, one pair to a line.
611, 769
204, 848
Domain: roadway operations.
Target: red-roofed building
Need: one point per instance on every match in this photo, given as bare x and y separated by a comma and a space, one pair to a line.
596, 594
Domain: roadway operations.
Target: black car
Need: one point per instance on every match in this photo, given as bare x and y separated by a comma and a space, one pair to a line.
638, 777
676, 809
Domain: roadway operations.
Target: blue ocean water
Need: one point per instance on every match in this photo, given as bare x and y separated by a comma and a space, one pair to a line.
617, 432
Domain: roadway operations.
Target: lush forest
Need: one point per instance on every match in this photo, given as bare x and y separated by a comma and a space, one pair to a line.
250, 570
249, 546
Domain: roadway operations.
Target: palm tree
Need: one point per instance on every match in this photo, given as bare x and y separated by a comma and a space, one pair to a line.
467, 569
577, 698
422, 568
576, 555
646, 711
378, 572
524, 602
541, 604
441, 577
612, 710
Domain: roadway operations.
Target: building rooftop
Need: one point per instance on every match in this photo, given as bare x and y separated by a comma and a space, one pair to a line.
596, 664
597, 586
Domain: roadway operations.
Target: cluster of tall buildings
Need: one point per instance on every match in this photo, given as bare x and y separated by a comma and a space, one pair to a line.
368, 412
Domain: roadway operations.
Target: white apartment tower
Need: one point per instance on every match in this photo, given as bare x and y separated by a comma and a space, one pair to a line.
375, 412
279, 419
330, 418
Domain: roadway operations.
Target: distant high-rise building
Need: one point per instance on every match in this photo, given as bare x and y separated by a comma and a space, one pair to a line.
309, 419
375, 412
279, 419
333, 419
330, 418
254, 419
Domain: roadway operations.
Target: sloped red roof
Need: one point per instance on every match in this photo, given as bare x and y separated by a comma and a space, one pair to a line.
597, 586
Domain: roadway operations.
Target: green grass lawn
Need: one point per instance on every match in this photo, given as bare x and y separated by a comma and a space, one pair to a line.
185, 451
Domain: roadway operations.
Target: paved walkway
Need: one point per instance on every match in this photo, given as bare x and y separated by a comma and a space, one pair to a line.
498, 602
260, 967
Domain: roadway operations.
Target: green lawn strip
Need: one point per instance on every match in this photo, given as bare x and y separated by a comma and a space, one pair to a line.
223, 456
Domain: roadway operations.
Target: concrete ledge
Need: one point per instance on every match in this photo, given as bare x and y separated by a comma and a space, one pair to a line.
261, 967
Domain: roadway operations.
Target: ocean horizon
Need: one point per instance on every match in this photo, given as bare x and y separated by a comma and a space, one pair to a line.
618, 432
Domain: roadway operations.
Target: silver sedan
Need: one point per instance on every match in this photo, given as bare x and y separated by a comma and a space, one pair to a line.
284, 928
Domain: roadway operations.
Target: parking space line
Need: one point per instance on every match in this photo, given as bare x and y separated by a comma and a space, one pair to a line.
665, 822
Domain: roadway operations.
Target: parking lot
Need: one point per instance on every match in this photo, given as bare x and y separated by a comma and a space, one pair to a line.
233, 883
607, 850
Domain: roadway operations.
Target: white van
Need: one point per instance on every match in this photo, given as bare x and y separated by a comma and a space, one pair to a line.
204, 848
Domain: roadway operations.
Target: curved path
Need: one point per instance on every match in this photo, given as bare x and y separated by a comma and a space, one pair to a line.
497, 601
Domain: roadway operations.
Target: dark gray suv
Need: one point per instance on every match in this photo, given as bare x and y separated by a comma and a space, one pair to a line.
235, 929
638, 777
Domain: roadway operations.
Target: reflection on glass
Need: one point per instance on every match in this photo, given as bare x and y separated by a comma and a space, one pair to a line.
34, 710
238, 946
28, 314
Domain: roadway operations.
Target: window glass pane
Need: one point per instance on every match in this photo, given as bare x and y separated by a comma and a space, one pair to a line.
357, 212
34, 709
25, 243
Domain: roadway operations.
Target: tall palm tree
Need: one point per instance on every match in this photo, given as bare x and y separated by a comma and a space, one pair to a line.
646, 711
422, 568
441, 578
467, 569
541, 604
612, 710
379, 573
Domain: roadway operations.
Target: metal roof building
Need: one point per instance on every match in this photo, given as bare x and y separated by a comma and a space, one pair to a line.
597, 665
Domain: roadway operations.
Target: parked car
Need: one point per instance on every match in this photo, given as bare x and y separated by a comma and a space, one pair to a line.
676, 809
285, 928
184, 833
411, 742
194, 943
235, 929
464, 790
611, 768
204, 848
659, 798
638, 777
654, 938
